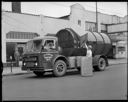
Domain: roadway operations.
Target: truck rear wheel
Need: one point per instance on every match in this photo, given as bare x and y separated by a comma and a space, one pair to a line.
39, 74
60, 68
101, 64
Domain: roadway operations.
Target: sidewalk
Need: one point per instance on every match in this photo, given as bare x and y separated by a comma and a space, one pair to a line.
117, 61
14, 71
18, 71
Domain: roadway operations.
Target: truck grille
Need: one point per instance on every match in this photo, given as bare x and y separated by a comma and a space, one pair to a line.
30, 58
30, 64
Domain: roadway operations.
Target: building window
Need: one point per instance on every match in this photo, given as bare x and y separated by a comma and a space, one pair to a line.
103, 31
79, 22
90, 26
121, 48
10, 49
103, 28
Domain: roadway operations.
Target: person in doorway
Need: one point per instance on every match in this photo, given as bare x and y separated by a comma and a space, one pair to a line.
17, 55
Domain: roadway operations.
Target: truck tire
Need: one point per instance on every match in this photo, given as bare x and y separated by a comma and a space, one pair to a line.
39, 74
101, 64
60, 68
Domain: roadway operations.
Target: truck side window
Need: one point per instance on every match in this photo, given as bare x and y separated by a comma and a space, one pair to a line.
49, 44
37, 45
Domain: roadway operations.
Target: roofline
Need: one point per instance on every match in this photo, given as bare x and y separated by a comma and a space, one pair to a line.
59, 17
29, 14
21, 13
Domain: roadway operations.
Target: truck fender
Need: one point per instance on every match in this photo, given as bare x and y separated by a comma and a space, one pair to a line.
96, 58
60, 57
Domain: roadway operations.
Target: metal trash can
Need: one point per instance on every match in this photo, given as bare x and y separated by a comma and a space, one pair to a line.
86, 66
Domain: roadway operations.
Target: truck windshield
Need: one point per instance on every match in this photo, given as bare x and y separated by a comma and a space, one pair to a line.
34, 46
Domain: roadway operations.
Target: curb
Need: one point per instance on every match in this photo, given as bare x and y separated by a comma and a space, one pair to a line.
20, 73
117, 63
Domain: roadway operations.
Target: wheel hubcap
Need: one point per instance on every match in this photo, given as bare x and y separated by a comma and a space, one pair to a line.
60, 67
102, 64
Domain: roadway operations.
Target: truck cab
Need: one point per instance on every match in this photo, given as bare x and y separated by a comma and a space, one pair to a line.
43, 54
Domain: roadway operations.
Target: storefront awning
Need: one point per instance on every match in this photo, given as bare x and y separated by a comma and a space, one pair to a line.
21, 35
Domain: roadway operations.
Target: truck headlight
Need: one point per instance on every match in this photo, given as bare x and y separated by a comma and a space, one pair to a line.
24, 63
36, 64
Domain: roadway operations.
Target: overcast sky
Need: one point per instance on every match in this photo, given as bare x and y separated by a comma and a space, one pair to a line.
57, 9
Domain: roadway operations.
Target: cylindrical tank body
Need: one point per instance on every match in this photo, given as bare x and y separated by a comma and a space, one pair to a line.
67, 38
108, 43
69, 41
101, 43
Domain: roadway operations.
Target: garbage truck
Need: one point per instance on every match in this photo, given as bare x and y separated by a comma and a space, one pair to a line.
63, 51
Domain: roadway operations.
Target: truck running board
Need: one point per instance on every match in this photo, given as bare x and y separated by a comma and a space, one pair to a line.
48, 70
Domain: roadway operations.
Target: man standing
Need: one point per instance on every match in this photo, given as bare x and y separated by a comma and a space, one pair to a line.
89, 51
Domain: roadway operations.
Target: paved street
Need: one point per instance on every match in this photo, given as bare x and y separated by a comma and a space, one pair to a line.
110, 84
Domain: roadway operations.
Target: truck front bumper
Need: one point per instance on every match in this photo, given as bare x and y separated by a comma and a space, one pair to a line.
44, 67
36, 69
32, 68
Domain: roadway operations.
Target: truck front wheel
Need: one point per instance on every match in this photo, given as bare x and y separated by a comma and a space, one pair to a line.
60, 68
101, 64
39, 74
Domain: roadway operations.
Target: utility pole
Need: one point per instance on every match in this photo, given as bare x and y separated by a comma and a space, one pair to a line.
96, 18
16, 7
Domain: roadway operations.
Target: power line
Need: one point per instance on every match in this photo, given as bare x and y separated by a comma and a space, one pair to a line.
102, 9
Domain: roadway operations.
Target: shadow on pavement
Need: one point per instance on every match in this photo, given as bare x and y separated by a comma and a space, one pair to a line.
51, 75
